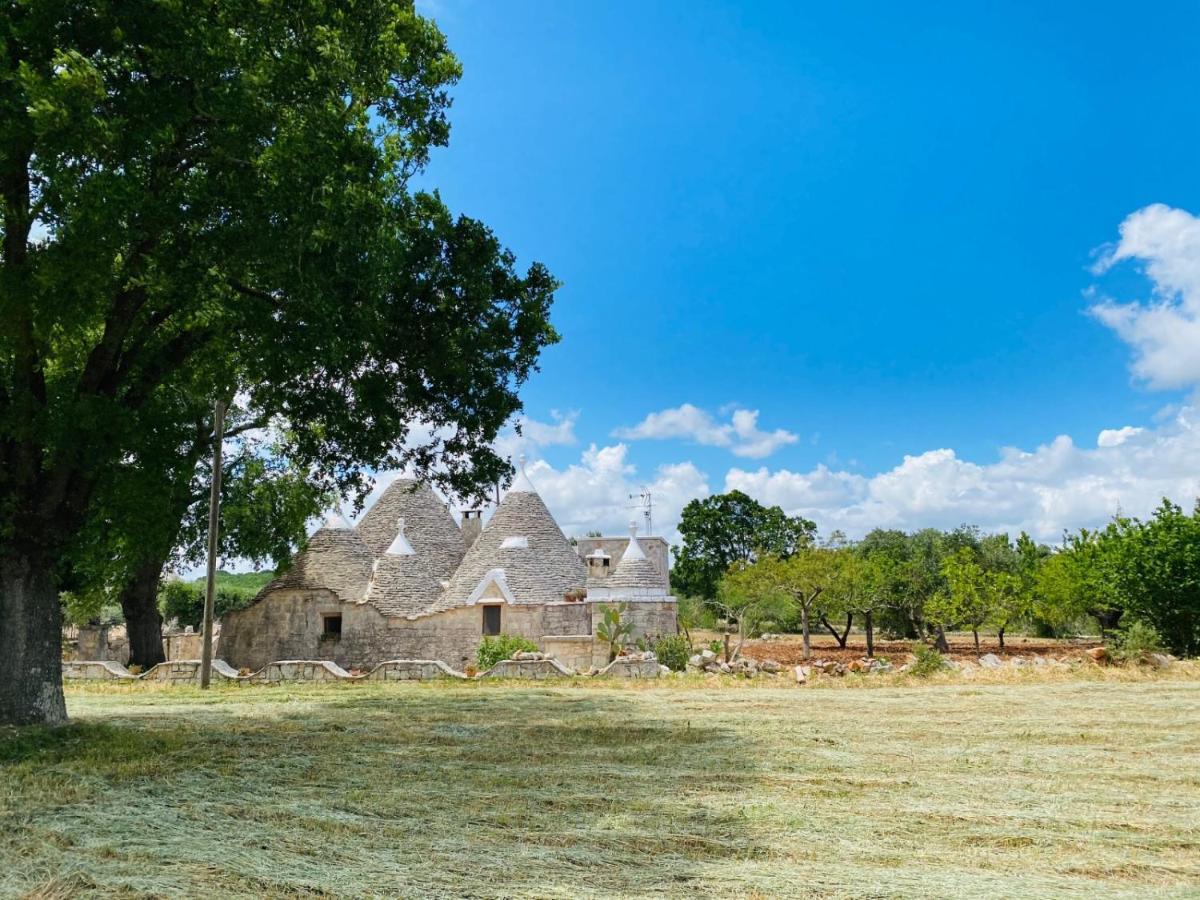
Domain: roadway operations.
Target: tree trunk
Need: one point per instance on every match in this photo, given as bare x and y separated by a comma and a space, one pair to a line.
975, 632
942, 645
840, 637
727, 641
870, 626
139, 602
1000, 634
30, 644
804, 631
1107, 619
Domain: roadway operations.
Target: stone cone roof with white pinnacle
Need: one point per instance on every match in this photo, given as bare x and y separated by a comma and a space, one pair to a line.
541, 569
334, 559
410, 568
635, 570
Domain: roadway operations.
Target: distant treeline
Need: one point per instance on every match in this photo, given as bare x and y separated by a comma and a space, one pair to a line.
755, 565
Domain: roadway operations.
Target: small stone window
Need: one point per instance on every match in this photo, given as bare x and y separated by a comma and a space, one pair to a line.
331, 628
491, 620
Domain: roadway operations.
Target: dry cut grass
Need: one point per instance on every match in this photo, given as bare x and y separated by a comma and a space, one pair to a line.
1033, 788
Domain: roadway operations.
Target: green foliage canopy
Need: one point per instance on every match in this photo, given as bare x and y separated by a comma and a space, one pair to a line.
724, 529
210, 202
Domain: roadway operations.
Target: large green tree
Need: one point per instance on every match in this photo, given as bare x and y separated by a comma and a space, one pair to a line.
724, 529
150, 513
1157, 567
199, 201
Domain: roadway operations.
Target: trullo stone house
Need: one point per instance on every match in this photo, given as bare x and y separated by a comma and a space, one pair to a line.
409, 583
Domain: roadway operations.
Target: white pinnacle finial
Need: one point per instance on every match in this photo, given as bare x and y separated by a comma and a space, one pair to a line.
400, 545
522, 482
336, 520
634, 550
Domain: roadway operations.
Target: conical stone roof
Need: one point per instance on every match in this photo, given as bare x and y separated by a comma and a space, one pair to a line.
409, 583
334, 559
542, 568
635, 570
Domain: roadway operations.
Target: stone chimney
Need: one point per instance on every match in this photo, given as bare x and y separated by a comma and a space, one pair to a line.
472, 524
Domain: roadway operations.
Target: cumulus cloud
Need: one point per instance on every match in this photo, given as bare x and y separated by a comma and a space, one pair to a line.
535, 434
1163, 331
741, 434
1058, 486
595, 492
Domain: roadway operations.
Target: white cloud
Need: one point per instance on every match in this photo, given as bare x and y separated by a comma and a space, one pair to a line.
1115, 437
535, 435
544, 434
1164, 332
1057, 486
594, 493
740, 434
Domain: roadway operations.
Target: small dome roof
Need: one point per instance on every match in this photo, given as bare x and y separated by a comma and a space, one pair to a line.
635, 570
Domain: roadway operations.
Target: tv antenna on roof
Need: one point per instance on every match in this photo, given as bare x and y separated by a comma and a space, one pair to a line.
646, 504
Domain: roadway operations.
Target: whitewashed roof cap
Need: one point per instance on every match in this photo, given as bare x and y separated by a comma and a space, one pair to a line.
410, 517
521, 483
541, 569
635, 570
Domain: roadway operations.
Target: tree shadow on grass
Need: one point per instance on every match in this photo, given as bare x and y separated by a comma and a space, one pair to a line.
419, 791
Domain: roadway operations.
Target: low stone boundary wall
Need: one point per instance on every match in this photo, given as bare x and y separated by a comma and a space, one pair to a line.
97, 670
535, 666
630, 668
411, 670
187, 671
528, 668
299, 670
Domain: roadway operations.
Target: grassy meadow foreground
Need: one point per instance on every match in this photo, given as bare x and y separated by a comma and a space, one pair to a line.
1028, 785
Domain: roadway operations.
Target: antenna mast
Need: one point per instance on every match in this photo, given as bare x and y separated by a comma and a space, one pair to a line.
645, 502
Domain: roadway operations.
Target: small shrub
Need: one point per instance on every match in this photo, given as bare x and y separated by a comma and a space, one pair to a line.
501, 646
716, 647
928, 661
1135, 643
673, 651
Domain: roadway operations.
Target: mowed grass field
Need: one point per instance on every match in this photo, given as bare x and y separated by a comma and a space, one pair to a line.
1034, 786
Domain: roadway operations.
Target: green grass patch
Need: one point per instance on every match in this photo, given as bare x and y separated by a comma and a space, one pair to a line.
1030, 788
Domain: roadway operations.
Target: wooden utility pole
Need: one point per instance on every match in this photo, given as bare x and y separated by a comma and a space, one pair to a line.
214, 508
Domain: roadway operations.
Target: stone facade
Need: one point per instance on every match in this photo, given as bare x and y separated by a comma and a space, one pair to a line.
613, 548
98, 642
415, 589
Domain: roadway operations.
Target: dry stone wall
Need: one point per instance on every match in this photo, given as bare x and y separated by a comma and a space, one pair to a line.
299, 670
538, 669
536, 666
290, 625
96, 670
412, 670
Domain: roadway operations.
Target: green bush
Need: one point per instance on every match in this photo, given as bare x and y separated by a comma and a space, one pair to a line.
673, 651
1135, 643
928, 661
184, 600
501, 646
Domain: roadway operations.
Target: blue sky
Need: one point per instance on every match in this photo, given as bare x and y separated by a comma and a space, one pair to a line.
883, 227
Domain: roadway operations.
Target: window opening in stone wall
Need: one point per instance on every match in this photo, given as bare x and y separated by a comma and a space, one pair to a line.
332, 628
491, 620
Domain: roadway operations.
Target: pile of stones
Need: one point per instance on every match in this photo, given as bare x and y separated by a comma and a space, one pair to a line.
832, 667
707, 661
637, 656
